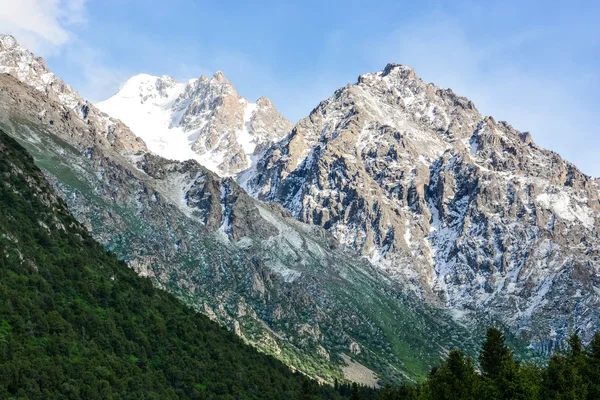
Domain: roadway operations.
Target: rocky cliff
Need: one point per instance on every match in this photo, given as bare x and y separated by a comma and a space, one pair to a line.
468, 212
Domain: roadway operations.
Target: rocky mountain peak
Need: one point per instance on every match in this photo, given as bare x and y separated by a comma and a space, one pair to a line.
7, 42
399, 69
457, 206
205, 119
219, 76
31, 70
393, 73
263, 101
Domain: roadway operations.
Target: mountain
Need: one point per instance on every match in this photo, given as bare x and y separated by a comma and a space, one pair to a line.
75, 322
465, 211
285, 287
22, 64
205, 120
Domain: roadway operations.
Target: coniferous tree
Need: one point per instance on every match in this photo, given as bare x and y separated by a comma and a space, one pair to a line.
575, 345
355, 393
494, 353
594, 347
592, 367
454, 380
516, 382
562, 381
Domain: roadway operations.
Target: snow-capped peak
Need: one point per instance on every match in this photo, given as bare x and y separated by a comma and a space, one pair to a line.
19, 62
204, 119
8, 41
145, 87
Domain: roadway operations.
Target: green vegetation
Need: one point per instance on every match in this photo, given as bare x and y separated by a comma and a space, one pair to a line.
574, 375
75, 322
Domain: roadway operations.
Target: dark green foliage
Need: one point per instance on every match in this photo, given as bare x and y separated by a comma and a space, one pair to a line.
562, 380
575, 346
77, 323
454, 379
494, 354
595, 347
574, 375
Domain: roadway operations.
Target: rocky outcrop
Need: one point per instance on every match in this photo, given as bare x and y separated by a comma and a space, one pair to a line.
22, 64
468, 212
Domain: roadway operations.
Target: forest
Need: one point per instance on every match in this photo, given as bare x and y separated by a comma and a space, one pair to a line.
77, 323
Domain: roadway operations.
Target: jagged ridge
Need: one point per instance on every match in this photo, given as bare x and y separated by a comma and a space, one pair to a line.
204, 119
467, 211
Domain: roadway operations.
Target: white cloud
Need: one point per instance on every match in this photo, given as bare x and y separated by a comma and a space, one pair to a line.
47, 28
42, 26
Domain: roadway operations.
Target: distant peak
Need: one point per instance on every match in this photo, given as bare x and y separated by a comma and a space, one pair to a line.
398, 69
8, 42
219, 76
391, 70
264, 101
147, 86
142, 79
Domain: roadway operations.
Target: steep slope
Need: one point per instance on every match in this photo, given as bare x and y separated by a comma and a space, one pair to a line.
205, 120
279, 284
22, 64
77, 323
467, 211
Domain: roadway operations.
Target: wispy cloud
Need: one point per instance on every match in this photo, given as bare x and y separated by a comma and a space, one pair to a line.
94, 79
43, 26
47, 28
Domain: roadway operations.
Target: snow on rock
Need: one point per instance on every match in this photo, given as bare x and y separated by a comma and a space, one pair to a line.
466, 211
203, 119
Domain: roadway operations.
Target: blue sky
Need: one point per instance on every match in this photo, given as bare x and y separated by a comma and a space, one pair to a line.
535, 64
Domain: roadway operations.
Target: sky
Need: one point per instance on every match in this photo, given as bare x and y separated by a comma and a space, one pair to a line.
535, 64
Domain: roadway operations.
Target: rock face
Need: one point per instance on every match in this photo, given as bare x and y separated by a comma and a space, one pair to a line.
467, 211
205, 119
284, 286
22, 64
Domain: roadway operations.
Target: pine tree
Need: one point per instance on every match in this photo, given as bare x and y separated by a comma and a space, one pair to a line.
561, 380
576, 347
594, 347
493, 354
355, 394
454, 380
592, 373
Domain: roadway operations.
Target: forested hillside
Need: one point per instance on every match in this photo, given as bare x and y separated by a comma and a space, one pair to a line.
75, 322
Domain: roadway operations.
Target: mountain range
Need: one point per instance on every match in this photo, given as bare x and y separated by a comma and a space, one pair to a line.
387, 227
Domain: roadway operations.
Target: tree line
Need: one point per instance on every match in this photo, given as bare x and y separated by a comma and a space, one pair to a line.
573, 374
